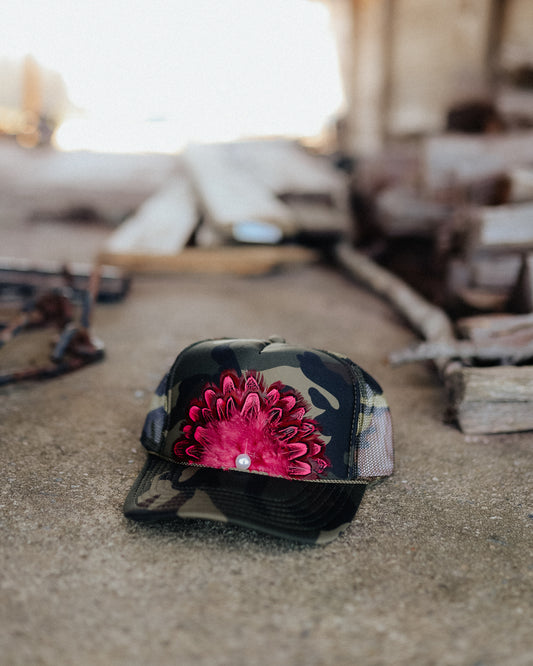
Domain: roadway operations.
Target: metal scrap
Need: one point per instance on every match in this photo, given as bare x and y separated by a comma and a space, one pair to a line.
73, 347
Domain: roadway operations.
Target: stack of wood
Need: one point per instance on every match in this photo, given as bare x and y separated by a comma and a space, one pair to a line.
495, 398
487, 182
242, 207
471, 199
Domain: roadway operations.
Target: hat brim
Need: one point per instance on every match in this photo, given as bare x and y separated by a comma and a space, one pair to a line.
304, 511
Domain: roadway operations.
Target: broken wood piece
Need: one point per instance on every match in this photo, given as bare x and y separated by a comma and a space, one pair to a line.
485, 285
482, 281
501, 228
492, 400
162, 225
236, 259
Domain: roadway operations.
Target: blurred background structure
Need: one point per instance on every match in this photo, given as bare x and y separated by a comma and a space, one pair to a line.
152, 76
352, 175
112, 76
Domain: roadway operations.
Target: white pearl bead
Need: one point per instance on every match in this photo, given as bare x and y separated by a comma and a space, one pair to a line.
243, 461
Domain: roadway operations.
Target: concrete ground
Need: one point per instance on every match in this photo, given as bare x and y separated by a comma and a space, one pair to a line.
436, 568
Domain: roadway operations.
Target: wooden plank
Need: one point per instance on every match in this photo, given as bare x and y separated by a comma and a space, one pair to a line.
453, 160
492, 400
316, 193
286, 167
494, 326
507, 351
162, 225
230, 195
483, 270
249, 185
238, 259
497, 228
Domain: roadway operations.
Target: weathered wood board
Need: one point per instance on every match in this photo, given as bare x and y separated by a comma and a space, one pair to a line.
161, 226
492, 400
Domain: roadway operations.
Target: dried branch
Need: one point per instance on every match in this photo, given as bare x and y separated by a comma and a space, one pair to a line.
426, 319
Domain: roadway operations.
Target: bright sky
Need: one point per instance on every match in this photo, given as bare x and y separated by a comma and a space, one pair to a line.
155, 74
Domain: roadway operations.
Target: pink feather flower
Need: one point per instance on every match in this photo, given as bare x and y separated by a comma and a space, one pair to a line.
267, 425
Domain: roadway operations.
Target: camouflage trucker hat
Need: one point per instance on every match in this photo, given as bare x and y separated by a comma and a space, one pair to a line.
263, 434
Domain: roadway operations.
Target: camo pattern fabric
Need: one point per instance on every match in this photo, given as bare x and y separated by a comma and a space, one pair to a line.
346, 403
297, 432
301, 511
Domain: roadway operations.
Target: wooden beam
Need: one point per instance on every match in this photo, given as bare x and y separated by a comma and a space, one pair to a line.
363, 36
239, 259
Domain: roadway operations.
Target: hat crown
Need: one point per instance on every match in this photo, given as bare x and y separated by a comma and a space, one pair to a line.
294, 412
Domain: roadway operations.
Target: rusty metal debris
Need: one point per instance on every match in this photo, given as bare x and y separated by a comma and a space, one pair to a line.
20, 278
73, 345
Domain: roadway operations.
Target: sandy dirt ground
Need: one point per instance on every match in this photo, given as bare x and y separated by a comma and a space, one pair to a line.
436, 568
